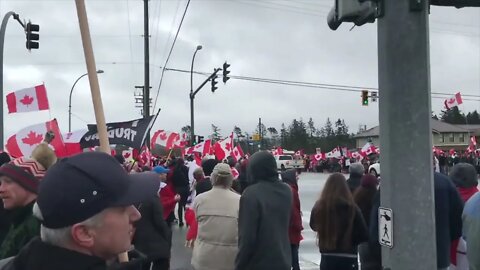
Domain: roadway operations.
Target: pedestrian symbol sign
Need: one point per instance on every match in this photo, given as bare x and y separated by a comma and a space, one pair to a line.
385, 227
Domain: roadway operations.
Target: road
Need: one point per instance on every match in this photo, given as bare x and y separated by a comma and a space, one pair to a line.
310, 186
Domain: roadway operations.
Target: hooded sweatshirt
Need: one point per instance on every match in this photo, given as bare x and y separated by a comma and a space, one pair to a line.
296, 227
264, 218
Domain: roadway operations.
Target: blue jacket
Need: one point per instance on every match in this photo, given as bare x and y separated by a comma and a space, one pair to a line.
471, 230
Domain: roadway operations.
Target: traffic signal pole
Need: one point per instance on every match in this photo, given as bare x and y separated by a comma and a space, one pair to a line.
406, 135
192, 102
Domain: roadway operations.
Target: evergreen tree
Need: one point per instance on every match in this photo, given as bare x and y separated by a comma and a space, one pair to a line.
215, 133
453, 116
187, 130
311, 128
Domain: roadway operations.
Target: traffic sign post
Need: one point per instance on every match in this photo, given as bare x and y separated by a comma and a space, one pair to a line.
385, 227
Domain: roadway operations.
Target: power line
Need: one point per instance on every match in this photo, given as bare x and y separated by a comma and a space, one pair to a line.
169, 54
338, 87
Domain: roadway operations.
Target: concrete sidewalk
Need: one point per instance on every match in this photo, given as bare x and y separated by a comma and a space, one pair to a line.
181, 255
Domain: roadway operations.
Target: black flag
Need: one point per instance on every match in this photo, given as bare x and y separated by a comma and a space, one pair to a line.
131, 133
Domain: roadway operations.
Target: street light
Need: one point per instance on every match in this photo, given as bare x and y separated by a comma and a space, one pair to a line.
192, 97
70, 100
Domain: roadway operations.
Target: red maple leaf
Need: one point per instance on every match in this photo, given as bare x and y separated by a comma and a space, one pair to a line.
126, 155
228, 146
26, 100
33, 138
163, 136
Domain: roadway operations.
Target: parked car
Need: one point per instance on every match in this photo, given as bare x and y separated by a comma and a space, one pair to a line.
374, 169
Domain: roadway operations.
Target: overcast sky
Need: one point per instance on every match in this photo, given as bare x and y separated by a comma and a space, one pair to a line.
275, 39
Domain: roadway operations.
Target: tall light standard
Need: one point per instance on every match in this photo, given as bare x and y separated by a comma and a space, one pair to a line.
192, 97
70, 100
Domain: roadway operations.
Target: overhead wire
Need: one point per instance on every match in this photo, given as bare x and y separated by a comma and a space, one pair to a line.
338, 87
169, 54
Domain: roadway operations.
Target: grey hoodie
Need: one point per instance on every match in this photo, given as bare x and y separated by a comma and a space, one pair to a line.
264, 218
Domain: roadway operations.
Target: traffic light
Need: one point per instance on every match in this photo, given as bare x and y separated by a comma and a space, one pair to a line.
214, 83
225, 72
200, 139
365, 98
31, 32
359, 12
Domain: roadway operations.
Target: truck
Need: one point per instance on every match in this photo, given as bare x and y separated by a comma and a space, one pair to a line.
285, 162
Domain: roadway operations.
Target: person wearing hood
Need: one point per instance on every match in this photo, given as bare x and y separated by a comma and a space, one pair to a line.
464, 176
263, 223
356, 171
290, 177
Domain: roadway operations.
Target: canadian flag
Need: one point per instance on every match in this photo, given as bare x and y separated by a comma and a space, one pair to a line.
128, 154
145, 156
299, 152
24, 141
72, 141
167, 139
319, 156
453, 101
28, 100
473, 144
237, 152
369, 149
203, 148
335, 153
356, 155
223, 148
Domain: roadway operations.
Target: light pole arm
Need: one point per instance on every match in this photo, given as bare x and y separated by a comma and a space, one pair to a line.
70, 103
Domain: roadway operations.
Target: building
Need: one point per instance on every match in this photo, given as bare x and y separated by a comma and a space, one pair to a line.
445, 136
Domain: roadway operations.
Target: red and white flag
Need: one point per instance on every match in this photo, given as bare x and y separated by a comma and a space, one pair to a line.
320, 156
237, 152
167, 139
145, 156
473, 144
335, 153
24, 141
72, 141
224, 147
356, 155
453, 101
368, 149
28, 100
203, 148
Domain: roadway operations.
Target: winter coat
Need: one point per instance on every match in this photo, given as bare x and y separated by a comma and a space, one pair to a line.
152, 236
471, 230
216, 244
359, 231
167, 198
4, 222
24, 228
296, 226
448, 217
37, 255
354, 181
264, 218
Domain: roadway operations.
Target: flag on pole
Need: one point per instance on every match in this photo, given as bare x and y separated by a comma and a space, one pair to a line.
203, 148
72, 141
224, 147
453, 101
28, 100
237, 152
167, 139
24, 141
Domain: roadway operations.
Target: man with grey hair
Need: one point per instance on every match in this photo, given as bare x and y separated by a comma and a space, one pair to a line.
217, 215
356, 171
85, 205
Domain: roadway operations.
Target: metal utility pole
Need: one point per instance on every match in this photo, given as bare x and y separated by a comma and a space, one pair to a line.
405, 112
146, 89
260, 137
3, 29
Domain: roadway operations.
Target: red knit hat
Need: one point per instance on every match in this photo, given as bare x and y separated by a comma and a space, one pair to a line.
25, 172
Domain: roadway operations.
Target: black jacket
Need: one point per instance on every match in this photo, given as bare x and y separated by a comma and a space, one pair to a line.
264, 218
37, 255
152, 236
448, 217
354, 181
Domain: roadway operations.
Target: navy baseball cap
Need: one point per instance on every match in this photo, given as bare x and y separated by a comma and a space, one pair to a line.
81, 186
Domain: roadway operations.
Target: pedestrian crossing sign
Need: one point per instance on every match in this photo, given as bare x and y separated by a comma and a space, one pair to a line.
385, 227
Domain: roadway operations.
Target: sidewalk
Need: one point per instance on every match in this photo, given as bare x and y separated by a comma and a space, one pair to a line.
181, 255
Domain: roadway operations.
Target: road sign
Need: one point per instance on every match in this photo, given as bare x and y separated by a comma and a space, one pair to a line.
385, 227
256, 137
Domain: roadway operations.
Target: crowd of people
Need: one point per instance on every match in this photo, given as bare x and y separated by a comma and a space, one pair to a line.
95, 211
